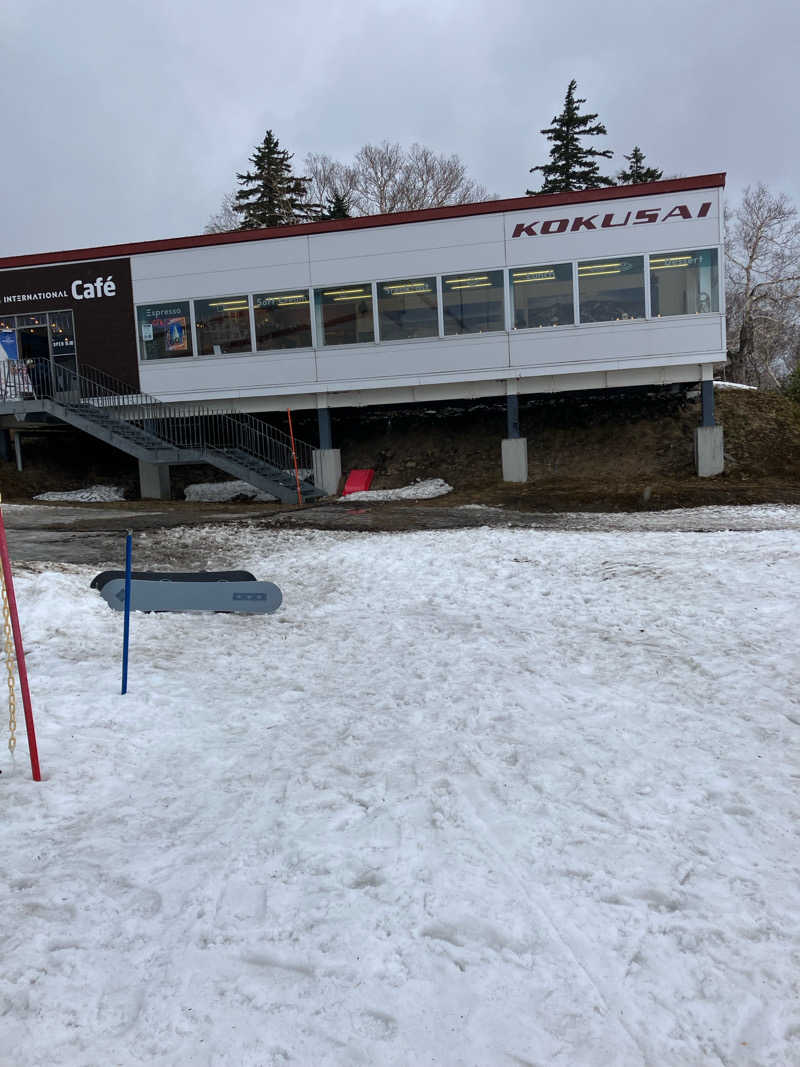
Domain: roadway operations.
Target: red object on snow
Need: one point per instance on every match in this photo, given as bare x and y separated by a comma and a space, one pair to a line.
358, 482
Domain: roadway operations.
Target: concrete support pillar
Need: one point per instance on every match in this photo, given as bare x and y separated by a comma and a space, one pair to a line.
709, 451
327, 469
154, 481
709, 444
17, 436
515, 459
325, 434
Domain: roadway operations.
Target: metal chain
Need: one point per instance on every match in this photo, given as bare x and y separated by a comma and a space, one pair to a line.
9, 650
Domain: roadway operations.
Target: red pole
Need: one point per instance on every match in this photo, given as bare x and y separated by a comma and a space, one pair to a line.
22, 670
294, 457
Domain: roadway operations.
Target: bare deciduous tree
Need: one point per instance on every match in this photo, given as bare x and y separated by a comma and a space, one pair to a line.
763, 288
226, 219
384, 178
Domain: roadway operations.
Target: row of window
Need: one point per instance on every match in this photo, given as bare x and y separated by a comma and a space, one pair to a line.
560, 294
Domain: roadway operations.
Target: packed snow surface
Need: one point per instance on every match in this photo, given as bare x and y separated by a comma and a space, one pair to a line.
422, 490
734, 385
213, 491
472, 797
94, 495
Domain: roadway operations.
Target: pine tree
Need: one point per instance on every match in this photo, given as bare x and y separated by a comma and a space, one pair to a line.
337, 207
572, 165
637, 173
270, 194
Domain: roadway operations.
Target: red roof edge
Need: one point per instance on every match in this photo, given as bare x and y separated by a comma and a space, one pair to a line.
484, 207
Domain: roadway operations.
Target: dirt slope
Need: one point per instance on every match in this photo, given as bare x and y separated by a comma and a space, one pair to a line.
597, 452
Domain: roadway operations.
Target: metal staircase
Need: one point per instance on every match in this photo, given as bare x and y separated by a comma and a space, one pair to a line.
158, 432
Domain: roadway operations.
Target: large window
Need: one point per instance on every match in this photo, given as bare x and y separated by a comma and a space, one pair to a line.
473, 303
542, 296
408, 309
611, 289
223, 325
283, 320
684, 283
164, 330
344, 315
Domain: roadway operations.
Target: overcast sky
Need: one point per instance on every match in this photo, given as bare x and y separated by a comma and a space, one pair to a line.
126, 120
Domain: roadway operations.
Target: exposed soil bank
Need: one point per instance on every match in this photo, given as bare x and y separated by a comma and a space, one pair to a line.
595, 452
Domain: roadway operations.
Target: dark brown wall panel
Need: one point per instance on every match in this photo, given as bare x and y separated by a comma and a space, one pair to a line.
105, 329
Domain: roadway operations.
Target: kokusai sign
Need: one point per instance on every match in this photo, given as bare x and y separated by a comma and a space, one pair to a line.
608, 220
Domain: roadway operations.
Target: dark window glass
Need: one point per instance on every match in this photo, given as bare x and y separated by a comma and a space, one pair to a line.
8, 322
164, 330
344, 315
408, 309
611, 289
473, 303
542, 296
39, 319
684, 283
223, 325
283, 320
62, 333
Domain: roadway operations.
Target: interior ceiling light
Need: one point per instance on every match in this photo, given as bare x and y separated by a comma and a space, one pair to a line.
469, 278
342, 299
474, 285
343, 292
228, 305
598, 273
534, 276
588, 268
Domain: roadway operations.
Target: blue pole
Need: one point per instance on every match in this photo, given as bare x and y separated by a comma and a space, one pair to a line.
127, 630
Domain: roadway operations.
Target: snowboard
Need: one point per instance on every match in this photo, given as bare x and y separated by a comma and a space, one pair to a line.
254, 598
100, 579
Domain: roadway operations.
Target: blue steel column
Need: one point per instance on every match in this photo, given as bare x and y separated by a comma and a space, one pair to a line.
325, 434
707, 399
512, 416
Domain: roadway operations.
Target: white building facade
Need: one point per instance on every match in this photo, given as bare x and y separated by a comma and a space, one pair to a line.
596, 289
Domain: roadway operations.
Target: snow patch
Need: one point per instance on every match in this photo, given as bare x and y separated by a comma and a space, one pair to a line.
423, 490
211, 492
96, 494
734, 385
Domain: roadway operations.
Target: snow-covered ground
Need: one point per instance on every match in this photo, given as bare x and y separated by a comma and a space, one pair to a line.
473, 797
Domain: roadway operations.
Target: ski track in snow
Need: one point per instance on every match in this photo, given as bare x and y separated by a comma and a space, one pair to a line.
469, 798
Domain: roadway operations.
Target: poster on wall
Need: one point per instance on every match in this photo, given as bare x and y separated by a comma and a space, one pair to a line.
176, 335
8, 344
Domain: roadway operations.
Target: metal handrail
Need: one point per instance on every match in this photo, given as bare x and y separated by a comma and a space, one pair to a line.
200, 428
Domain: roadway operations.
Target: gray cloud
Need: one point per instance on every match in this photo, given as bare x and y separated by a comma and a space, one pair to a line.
127, 121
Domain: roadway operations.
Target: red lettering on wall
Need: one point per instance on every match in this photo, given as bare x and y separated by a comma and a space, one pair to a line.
554, 226
679, 209
704, 210
646, 215
521, 228
584, 223
607, 221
